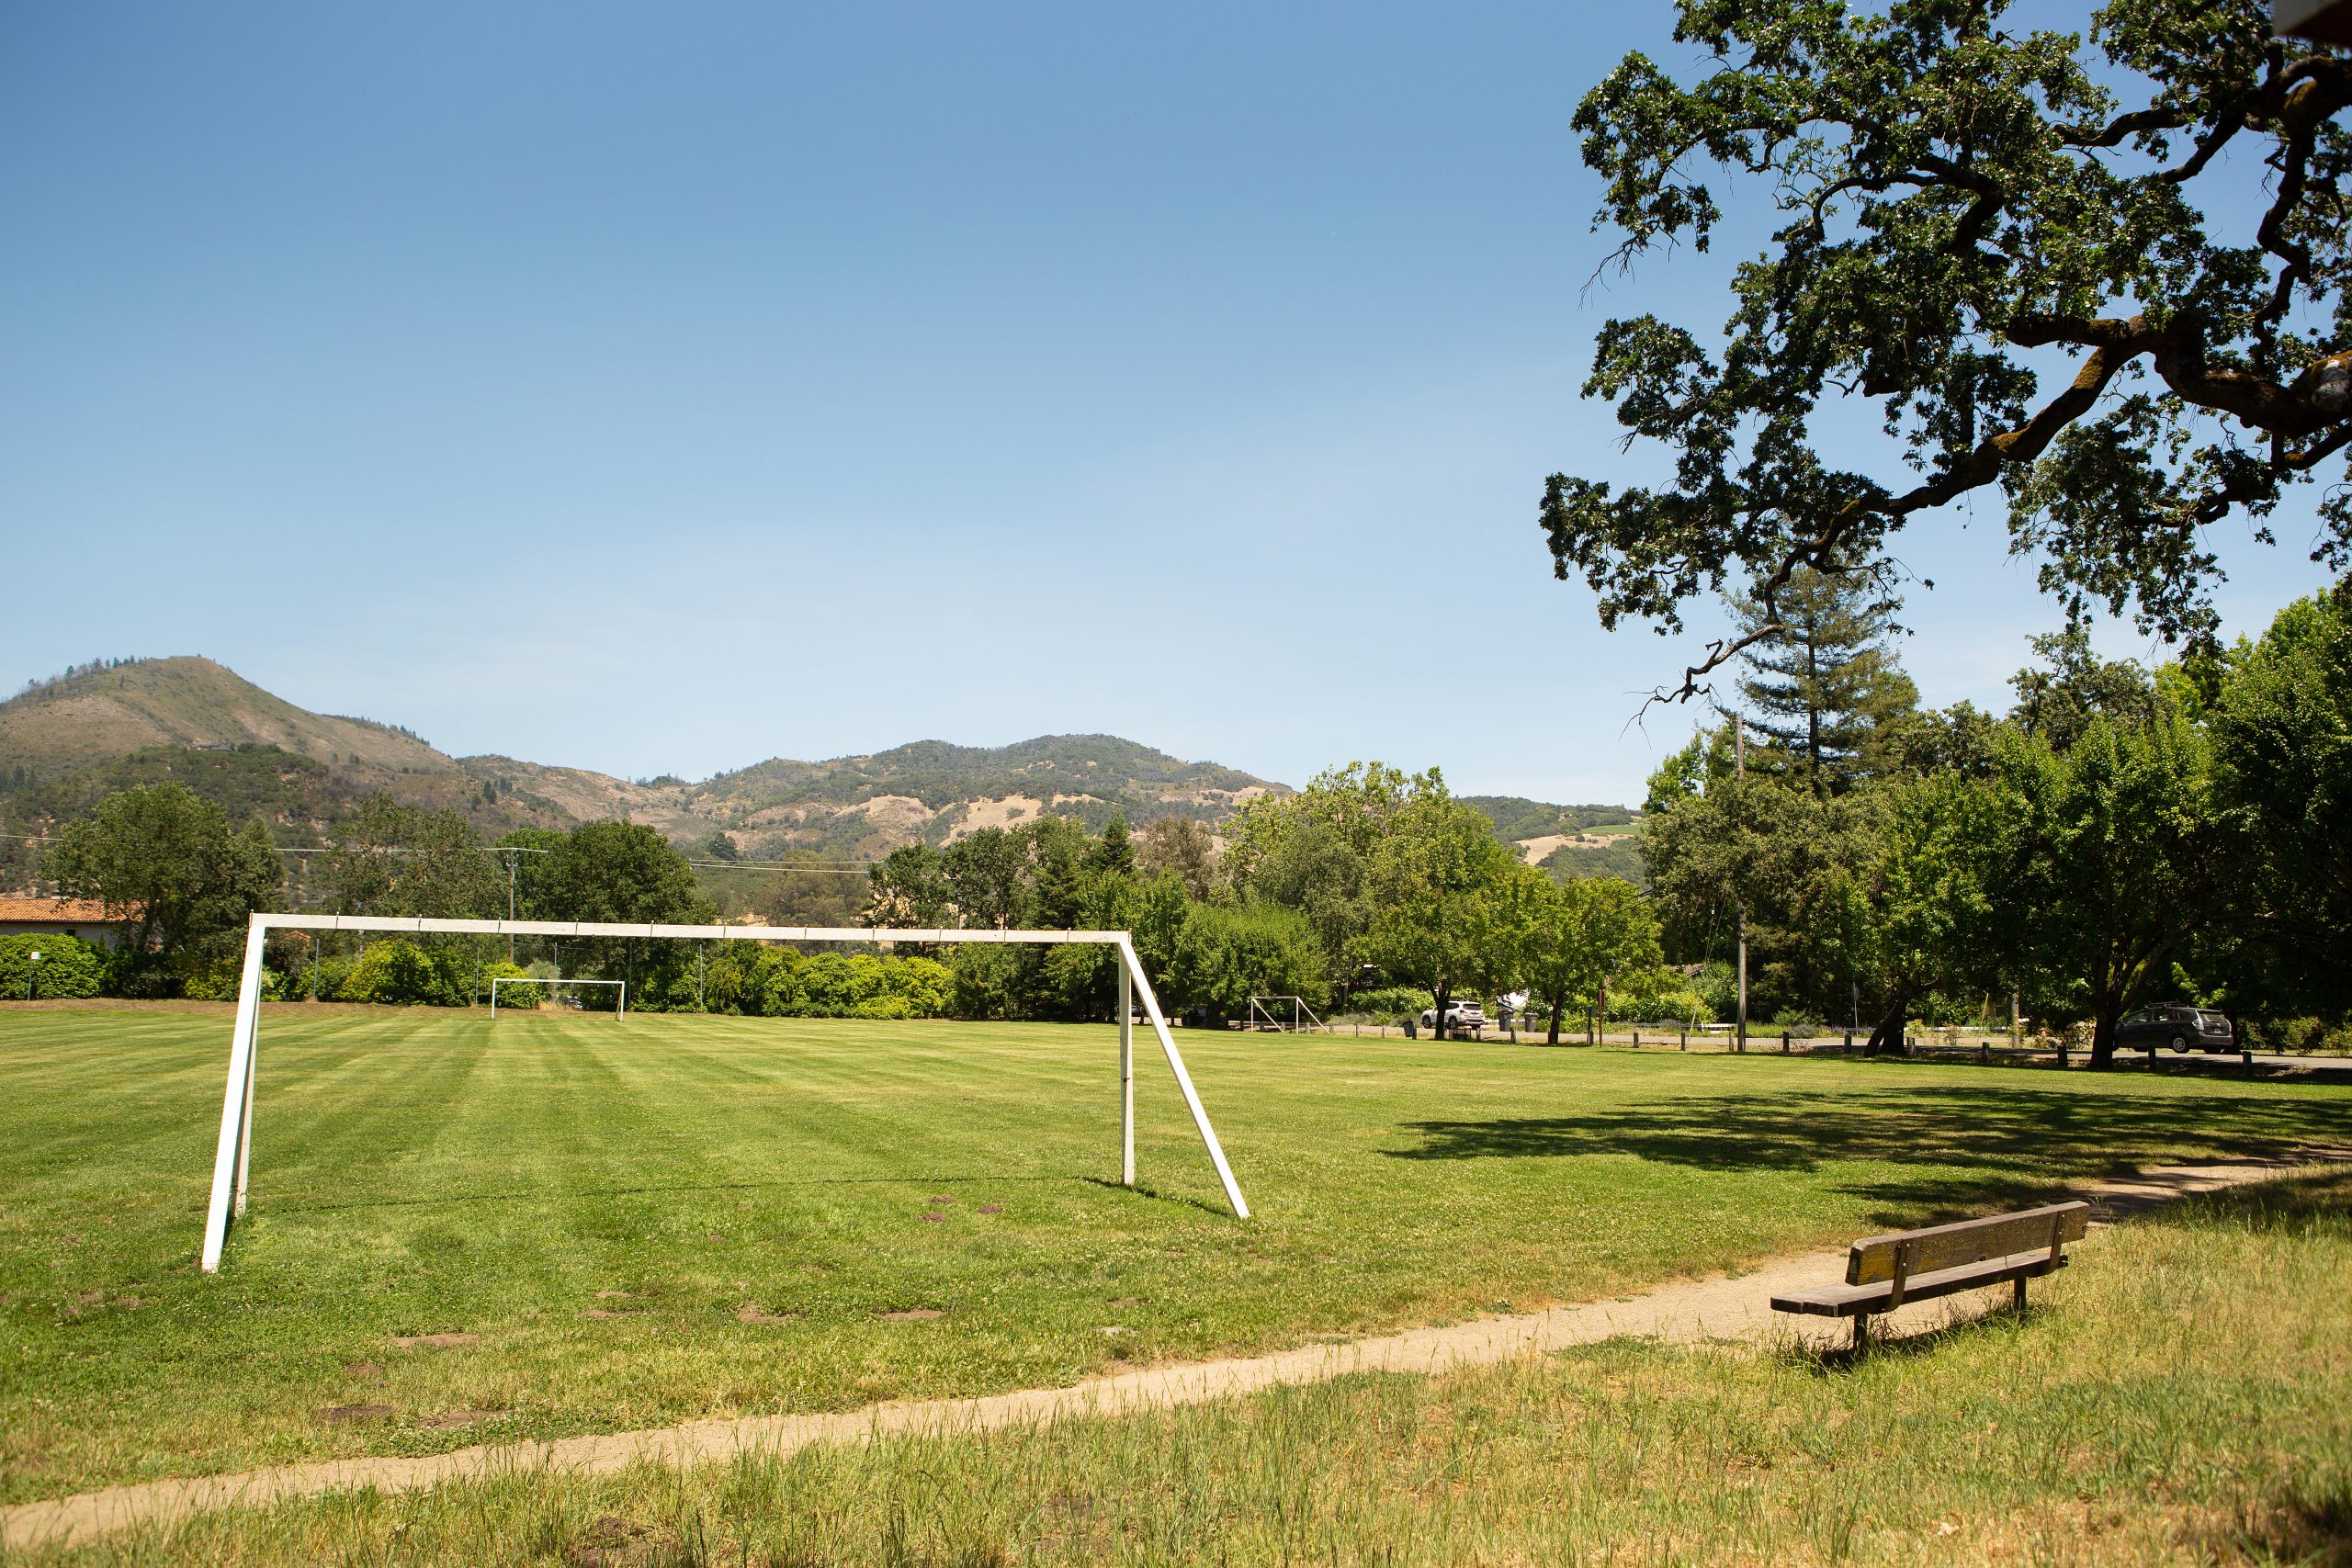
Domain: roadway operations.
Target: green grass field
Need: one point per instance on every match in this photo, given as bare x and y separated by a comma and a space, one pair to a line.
2181, 1395
600, 1205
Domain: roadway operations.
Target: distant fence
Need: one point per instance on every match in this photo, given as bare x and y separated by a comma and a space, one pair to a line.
1721, 1040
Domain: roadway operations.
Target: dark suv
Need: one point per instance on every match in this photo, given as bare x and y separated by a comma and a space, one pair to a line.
2176, 1025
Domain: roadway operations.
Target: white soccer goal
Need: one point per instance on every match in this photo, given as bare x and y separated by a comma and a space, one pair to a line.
233, 1158
1286, 1015
551, 986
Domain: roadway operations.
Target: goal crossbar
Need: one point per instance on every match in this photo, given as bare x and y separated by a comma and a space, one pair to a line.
233, 1158
498, 980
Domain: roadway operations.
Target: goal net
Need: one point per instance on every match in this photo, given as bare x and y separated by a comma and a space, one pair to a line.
528, 992
232, 1156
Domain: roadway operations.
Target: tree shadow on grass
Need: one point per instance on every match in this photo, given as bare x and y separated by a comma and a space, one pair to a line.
1973, 1144
2311, 1524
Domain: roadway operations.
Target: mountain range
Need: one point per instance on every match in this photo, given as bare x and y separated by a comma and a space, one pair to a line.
66, 743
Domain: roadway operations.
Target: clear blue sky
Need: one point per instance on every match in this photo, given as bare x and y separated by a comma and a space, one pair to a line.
659, 388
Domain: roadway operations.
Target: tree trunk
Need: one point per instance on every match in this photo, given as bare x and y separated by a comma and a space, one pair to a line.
2103, 1036
1552, 1031
1887, 1039
1442, 1029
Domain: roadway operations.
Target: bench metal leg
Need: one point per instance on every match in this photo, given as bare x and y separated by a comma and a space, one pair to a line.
2019, 1300
1861, 1331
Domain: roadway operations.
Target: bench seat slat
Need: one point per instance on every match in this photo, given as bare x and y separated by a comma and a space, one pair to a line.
1845, 1301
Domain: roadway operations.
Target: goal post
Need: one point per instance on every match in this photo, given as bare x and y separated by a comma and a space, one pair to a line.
498, 980
232, 1155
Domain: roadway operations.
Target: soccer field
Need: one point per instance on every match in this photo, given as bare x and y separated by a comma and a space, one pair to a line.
626, 1224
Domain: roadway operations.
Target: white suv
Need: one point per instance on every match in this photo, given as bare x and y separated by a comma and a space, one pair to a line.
1459, 1016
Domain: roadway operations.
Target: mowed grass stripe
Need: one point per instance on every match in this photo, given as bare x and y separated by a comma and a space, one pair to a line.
421, 1172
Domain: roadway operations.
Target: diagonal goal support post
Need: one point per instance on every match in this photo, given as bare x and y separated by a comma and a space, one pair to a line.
232, 1157
1183, 1081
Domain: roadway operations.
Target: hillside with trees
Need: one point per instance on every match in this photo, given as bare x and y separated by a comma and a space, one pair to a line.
69, 743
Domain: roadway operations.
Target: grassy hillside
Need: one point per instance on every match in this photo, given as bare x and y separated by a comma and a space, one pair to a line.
933, 790
96, 713
1517, 817
67, 744
1619, 856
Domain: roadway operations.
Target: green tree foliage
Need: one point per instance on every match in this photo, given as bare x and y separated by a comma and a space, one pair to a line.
911, 888
1180, 847
2120, 836
167, 867
1113, 854
398, 973
1798, 862
390, 859
1313, 852
622, 872
616, 872
1706, 759
1577, 940
529, 995
2282, 740
801, 888
988, 982
2120, 849
1431, 878
68, 968
525, 862
1992, 234
747, 979
1228, 954
1057, 850
1930, 922
987, 869
862, 984
2059, 699
1825, 691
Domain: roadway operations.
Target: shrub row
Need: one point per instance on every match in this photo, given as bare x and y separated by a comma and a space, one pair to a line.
68, 968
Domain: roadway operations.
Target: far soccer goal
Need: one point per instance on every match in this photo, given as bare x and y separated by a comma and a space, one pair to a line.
537, 993
1287, 1015
232, 1157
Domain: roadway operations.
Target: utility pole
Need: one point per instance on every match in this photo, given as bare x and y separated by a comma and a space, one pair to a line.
1739, 766
510, 863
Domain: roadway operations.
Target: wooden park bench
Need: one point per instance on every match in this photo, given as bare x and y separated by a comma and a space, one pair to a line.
1884, 1271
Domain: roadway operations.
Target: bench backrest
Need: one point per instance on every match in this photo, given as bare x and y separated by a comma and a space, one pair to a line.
1877, 1258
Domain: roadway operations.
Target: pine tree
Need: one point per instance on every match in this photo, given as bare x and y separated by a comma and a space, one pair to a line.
1828, 690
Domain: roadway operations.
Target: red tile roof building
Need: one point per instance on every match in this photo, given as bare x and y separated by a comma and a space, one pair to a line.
83, 917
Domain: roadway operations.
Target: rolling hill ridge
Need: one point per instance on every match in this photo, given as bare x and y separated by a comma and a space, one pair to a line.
67, 744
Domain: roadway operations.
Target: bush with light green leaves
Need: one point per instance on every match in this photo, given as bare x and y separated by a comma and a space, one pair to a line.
68, 968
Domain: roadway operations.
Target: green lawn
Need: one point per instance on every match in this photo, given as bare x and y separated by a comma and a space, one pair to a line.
428, 1173
2181, 1395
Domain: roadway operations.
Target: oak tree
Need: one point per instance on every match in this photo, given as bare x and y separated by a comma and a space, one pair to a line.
1998, 238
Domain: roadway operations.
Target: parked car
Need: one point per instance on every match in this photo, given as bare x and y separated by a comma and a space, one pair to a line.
1459, 1015
2177, 1025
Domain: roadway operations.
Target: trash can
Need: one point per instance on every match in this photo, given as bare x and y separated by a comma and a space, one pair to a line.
1412, 1028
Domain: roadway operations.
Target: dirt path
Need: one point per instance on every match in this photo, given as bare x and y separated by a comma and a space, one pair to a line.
1720, 1307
